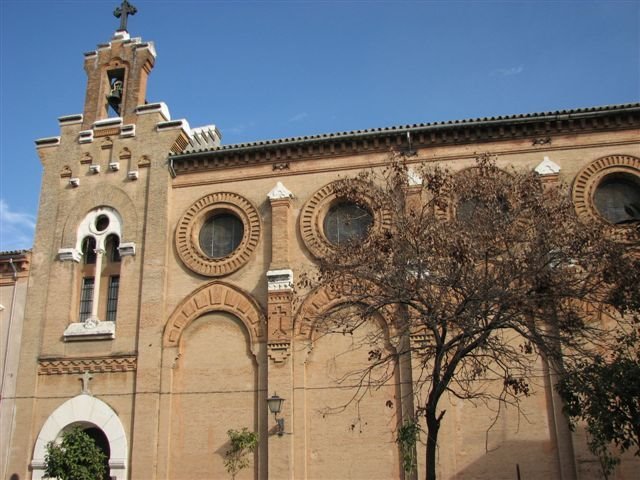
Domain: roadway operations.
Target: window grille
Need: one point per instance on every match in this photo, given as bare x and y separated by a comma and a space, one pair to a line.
86, 298
112, 298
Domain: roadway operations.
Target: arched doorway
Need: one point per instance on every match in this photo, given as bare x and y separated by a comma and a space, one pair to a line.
100, 422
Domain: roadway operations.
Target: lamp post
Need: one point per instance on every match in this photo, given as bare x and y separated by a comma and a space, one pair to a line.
275, 406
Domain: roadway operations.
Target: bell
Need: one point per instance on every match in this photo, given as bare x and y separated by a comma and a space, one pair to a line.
115, 96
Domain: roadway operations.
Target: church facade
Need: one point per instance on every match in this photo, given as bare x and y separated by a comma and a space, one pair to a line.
161, 310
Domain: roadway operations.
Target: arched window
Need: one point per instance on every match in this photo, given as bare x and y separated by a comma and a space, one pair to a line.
89, 251
111, 276
99, 237
112, 252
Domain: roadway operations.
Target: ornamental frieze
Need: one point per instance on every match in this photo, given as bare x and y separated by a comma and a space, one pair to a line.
65, 366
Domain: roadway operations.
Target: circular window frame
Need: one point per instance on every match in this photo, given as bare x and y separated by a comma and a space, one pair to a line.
316, 208
188, 231
588, 180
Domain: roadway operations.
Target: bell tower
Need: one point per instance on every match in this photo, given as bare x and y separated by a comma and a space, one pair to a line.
117, 74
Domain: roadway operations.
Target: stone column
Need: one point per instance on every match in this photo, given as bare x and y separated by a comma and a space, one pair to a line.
93, 319
279, 333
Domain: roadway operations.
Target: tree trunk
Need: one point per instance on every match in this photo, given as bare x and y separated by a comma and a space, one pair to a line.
433, 425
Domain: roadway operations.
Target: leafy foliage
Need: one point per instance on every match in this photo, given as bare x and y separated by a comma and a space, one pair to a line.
605, 393
408, 436
76, 458
491, 267
243, 442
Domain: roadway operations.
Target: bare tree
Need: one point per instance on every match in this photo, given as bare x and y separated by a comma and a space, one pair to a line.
489, 267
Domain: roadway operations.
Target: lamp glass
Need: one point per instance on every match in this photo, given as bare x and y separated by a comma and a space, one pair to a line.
275, 403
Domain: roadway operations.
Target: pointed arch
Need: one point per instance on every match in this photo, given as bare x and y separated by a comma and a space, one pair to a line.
216, 296
84, 408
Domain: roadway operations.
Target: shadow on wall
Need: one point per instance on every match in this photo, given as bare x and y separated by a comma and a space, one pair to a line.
534, 459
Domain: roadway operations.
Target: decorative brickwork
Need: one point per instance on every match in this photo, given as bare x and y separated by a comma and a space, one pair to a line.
214, 297
588, 180
278, 352
101, 195
314, 211
189, 226
64, 366
314, 304
66, 172
536, 126
280, 320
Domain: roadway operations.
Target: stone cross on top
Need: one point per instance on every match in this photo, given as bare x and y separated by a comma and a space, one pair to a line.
122, 12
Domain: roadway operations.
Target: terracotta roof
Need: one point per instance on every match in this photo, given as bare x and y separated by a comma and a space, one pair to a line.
14, 253
519, 118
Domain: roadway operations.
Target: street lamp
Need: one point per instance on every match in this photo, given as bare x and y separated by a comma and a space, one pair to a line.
275, 406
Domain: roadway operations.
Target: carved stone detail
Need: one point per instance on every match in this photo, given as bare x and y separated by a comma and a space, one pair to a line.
69, 254
547, 167
279, 280
281, 166
188, 229
541, 141
279, 192
65, 366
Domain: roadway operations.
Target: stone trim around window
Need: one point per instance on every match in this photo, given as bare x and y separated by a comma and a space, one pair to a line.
314, 211
586, 183
188, 231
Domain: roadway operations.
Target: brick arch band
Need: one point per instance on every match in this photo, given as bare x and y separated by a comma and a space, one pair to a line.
102, 195
216, 297
319, 301
588, 179
448, 210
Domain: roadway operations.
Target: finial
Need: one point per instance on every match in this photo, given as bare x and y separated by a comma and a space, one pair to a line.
122, 12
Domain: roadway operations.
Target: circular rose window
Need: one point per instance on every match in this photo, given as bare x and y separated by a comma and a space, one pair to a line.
607, 190
218, 233
346, 221
617, 198
328, 220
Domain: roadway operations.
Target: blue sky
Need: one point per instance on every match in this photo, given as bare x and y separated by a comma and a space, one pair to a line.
266, 69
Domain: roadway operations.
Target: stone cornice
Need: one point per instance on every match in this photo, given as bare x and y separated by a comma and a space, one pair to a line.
532, 126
